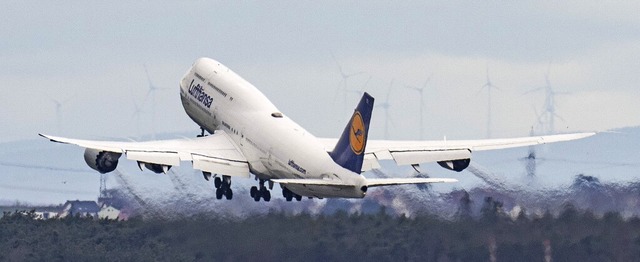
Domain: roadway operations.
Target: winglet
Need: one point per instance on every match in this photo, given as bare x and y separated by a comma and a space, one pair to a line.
349, 152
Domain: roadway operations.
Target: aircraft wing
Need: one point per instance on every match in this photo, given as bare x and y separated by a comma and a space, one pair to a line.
216, 153
417, 152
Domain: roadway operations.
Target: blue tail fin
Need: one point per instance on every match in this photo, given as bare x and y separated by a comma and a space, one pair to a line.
349, 152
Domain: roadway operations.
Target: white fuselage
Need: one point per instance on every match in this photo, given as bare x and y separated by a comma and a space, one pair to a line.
275, 147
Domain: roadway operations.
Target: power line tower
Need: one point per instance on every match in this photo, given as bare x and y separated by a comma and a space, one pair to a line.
104, 197
530, 159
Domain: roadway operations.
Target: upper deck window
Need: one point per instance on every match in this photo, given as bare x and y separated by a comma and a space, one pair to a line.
276, 115
199, 76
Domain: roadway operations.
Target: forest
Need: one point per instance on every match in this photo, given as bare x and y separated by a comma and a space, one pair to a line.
572, 235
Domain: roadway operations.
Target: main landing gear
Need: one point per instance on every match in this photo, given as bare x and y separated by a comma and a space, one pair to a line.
223, 187
262, 192
288, 195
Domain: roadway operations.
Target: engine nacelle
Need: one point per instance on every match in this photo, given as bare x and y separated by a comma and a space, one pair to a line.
455, 165
101, 161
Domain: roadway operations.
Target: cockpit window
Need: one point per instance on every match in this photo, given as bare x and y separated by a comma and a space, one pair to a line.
276, 115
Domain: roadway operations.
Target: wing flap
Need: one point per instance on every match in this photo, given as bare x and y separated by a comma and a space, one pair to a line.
163, 158
370, 162
416, 157
221, 166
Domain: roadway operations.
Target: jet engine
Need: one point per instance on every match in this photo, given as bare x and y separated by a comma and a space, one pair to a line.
101, 161
455, 165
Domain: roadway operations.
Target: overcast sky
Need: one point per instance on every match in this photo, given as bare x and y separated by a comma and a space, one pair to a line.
91, 58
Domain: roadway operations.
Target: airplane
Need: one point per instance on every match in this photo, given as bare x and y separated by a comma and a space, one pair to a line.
247, 135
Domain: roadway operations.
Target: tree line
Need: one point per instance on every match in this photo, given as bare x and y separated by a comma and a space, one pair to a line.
573, 235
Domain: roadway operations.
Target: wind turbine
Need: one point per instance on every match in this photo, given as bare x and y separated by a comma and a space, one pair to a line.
549, 114
137, 111
151, 91
343, 82
360, 91
385, 106
58, 105
489, 86
420, 91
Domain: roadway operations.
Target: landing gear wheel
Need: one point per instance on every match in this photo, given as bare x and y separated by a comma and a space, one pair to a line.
287, 194
253, 191
267, 196
298, 197
229, 194
261, 191
219, 193
217, 182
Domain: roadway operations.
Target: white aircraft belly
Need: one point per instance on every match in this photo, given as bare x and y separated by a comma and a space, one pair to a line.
326, 191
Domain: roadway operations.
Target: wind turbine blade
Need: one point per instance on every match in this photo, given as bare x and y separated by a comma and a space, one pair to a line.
56, 103
333, 57
559, 117
538, 115
389, 91
68, 99
532, 90
146, 71
341, 71
426, 82
391, 120
482, 89
354, 74
366, 83
152, 87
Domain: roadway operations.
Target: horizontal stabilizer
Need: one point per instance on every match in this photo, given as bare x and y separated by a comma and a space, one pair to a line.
374, 182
